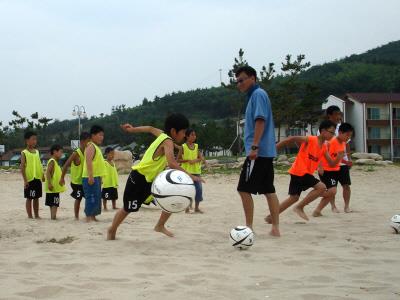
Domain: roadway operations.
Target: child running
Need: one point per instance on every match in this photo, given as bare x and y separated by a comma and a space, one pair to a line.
53, 187
32, 173
191, 158
301, 173
93, 170
159, 154
76, 161
330, 175
110, 180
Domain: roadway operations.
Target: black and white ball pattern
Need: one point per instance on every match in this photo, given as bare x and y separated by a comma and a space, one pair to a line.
241, 237
395, 223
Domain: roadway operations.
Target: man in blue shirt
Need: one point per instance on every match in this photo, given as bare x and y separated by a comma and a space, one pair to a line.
257, 175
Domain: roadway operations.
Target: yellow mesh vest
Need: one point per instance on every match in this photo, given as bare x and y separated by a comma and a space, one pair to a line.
189, 154
57, 188
111, 177
148, 166
33, 167
76, 171
99, 169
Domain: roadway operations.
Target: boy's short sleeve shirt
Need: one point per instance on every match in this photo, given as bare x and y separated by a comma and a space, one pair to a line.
259, 107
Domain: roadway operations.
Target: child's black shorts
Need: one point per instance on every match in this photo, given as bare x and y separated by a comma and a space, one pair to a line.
53, 199
330, 178
109, 193
34, 189
299, 184
344, 177
77, 191
257, 176
137, 190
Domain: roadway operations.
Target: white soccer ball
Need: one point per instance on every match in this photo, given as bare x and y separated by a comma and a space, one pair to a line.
395, 223
242, 237
173, 190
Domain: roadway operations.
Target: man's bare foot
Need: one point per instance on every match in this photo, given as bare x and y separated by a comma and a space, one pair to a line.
335, 210
268, 219
164, 230
94, 219
30, 217
275, 232
37, 217
316, 214
115, 207
188, 210
111, 234
76, 218
300, 212
348, 210
89, 219
198, 211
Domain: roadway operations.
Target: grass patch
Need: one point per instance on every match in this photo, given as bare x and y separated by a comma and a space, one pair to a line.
66, 240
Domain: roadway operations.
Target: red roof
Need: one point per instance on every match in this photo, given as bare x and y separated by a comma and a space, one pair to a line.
375, 98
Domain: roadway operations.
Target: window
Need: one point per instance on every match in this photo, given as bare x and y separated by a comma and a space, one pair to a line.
293, 132
396, 132
374, 133
373, 113
374, 149
396, 151
396, 113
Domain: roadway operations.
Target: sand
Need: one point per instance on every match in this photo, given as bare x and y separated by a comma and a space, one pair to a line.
338, 256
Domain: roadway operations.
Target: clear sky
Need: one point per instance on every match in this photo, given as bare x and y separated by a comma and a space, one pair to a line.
55, 54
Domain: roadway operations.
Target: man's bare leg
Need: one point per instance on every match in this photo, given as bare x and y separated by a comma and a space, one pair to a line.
105, 204
120, 216
77, 206
333, 206
273, 204
248, 207
326, 198
346, 198
318, 191
53, 212
28, 206
160, 226
36, 208
283, 206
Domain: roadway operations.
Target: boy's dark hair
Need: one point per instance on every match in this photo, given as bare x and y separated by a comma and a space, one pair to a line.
108, 150
332, 109
55, 148
176, 121
29, 134
188, 132
346, 127
84, 136
249, 71
95, 129
326, 124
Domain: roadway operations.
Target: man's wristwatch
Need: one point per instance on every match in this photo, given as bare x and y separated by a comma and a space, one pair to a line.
254, 147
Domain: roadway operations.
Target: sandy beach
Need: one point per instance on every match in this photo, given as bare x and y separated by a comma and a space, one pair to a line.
338, 256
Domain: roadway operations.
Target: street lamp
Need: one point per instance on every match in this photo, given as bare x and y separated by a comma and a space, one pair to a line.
80, 112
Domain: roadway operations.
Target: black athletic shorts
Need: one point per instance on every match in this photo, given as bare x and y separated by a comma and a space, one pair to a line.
53, 199
257, 176
299, 184
137, 190
109, 193
330, 178
344, 176
77, 191
34, 189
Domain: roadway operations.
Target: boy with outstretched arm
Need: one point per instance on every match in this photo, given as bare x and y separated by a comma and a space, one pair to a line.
159, 155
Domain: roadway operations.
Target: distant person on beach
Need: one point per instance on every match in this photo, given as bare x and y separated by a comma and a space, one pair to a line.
311, 151
157, 157
93, 170
53, 187
191, 160
257, 175
76, 161
331, 175
110, 180
32, 174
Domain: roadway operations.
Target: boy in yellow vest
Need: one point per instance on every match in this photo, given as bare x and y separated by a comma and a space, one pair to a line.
75, 161
159, 155
93, 170
53, 187
110, 180
191, 158
32, 173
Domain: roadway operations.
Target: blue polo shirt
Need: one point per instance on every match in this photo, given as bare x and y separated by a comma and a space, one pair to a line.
259, 107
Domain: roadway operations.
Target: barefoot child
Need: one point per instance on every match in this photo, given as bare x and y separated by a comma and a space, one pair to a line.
159, 154
32, 173
191, 158
93, 170
53, 176
330, 175
301, 173
110, 180
76, 161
